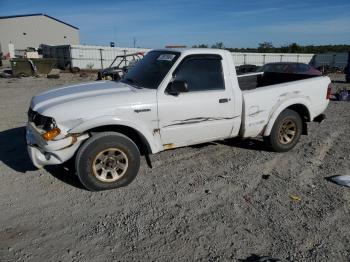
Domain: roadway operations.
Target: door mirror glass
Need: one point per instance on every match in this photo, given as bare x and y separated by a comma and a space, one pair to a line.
176, 87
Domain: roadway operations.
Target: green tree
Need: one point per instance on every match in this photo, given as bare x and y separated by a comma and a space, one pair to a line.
200, 46
294, 48
218, 45
265, 47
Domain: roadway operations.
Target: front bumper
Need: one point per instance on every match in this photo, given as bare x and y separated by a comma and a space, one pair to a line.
52, 152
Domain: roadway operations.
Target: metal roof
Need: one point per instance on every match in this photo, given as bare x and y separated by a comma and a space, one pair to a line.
39, 14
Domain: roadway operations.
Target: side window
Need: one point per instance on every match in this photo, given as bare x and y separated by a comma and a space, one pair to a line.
201, 74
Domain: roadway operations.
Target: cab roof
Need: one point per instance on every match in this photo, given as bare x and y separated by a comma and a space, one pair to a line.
189, 51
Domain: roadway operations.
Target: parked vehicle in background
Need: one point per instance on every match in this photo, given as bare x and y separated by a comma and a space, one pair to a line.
331, 62
290, 68
274, 73
120, 65
243, 69
169, 99
326, 69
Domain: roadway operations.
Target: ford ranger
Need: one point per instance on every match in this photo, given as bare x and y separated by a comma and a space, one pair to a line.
169, 99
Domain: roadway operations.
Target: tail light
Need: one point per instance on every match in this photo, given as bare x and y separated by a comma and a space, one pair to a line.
329, 90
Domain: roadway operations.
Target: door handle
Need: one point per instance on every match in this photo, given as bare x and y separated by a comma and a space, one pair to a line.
224, 100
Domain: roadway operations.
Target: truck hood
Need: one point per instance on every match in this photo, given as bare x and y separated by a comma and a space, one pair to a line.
86, 100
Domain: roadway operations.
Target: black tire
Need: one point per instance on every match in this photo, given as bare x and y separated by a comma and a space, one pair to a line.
278, 141
116, 76
75, 70
94, 149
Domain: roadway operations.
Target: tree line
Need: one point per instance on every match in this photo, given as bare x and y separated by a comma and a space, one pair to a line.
268, 47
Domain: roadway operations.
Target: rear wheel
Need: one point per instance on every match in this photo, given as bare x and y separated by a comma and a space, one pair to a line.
107, 160
285, 132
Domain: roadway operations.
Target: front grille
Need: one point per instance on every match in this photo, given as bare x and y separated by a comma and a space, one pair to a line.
44, 122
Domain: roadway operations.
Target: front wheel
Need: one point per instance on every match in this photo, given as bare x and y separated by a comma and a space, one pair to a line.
107, 160
285, 132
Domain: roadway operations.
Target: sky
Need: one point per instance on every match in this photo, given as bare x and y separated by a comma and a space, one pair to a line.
156, 23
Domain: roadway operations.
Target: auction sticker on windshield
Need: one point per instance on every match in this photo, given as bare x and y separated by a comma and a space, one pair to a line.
166, 57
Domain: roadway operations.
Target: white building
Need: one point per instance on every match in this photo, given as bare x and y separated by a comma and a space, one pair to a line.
34, 29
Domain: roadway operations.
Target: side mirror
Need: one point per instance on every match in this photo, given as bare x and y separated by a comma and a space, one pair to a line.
176, 87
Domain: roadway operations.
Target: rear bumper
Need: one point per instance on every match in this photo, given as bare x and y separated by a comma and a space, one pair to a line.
52, 152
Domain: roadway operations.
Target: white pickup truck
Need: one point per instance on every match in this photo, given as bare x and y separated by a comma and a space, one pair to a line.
170, 99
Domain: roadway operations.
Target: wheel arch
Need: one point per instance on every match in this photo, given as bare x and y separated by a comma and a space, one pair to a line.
304, 113
128, 128
301, 107
137, 137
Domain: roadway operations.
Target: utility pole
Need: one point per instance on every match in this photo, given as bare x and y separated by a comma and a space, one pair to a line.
115, 34
134, 42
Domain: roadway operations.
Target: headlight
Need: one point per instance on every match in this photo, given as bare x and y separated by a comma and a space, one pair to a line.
44, 122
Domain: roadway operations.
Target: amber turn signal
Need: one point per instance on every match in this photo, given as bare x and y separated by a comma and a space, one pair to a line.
51, 134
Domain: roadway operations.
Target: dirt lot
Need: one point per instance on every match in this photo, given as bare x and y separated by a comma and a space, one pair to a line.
215, 202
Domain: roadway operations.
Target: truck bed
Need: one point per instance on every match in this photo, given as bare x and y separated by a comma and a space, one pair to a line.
260, 104
256, 80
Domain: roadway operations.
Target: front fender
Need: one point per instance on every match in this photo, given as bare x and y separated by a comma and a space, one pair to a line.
152, 139
282, 105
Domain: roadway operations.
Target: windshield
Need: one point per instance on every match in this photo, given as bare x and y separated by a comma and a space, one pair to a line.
150, 71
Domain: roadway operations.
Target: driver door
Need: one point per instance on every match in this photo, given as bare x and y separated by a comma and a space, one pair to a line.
205, 112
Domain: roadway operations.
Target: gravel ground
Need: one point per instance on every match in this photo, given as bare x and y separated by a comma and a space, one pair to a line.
224, 201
